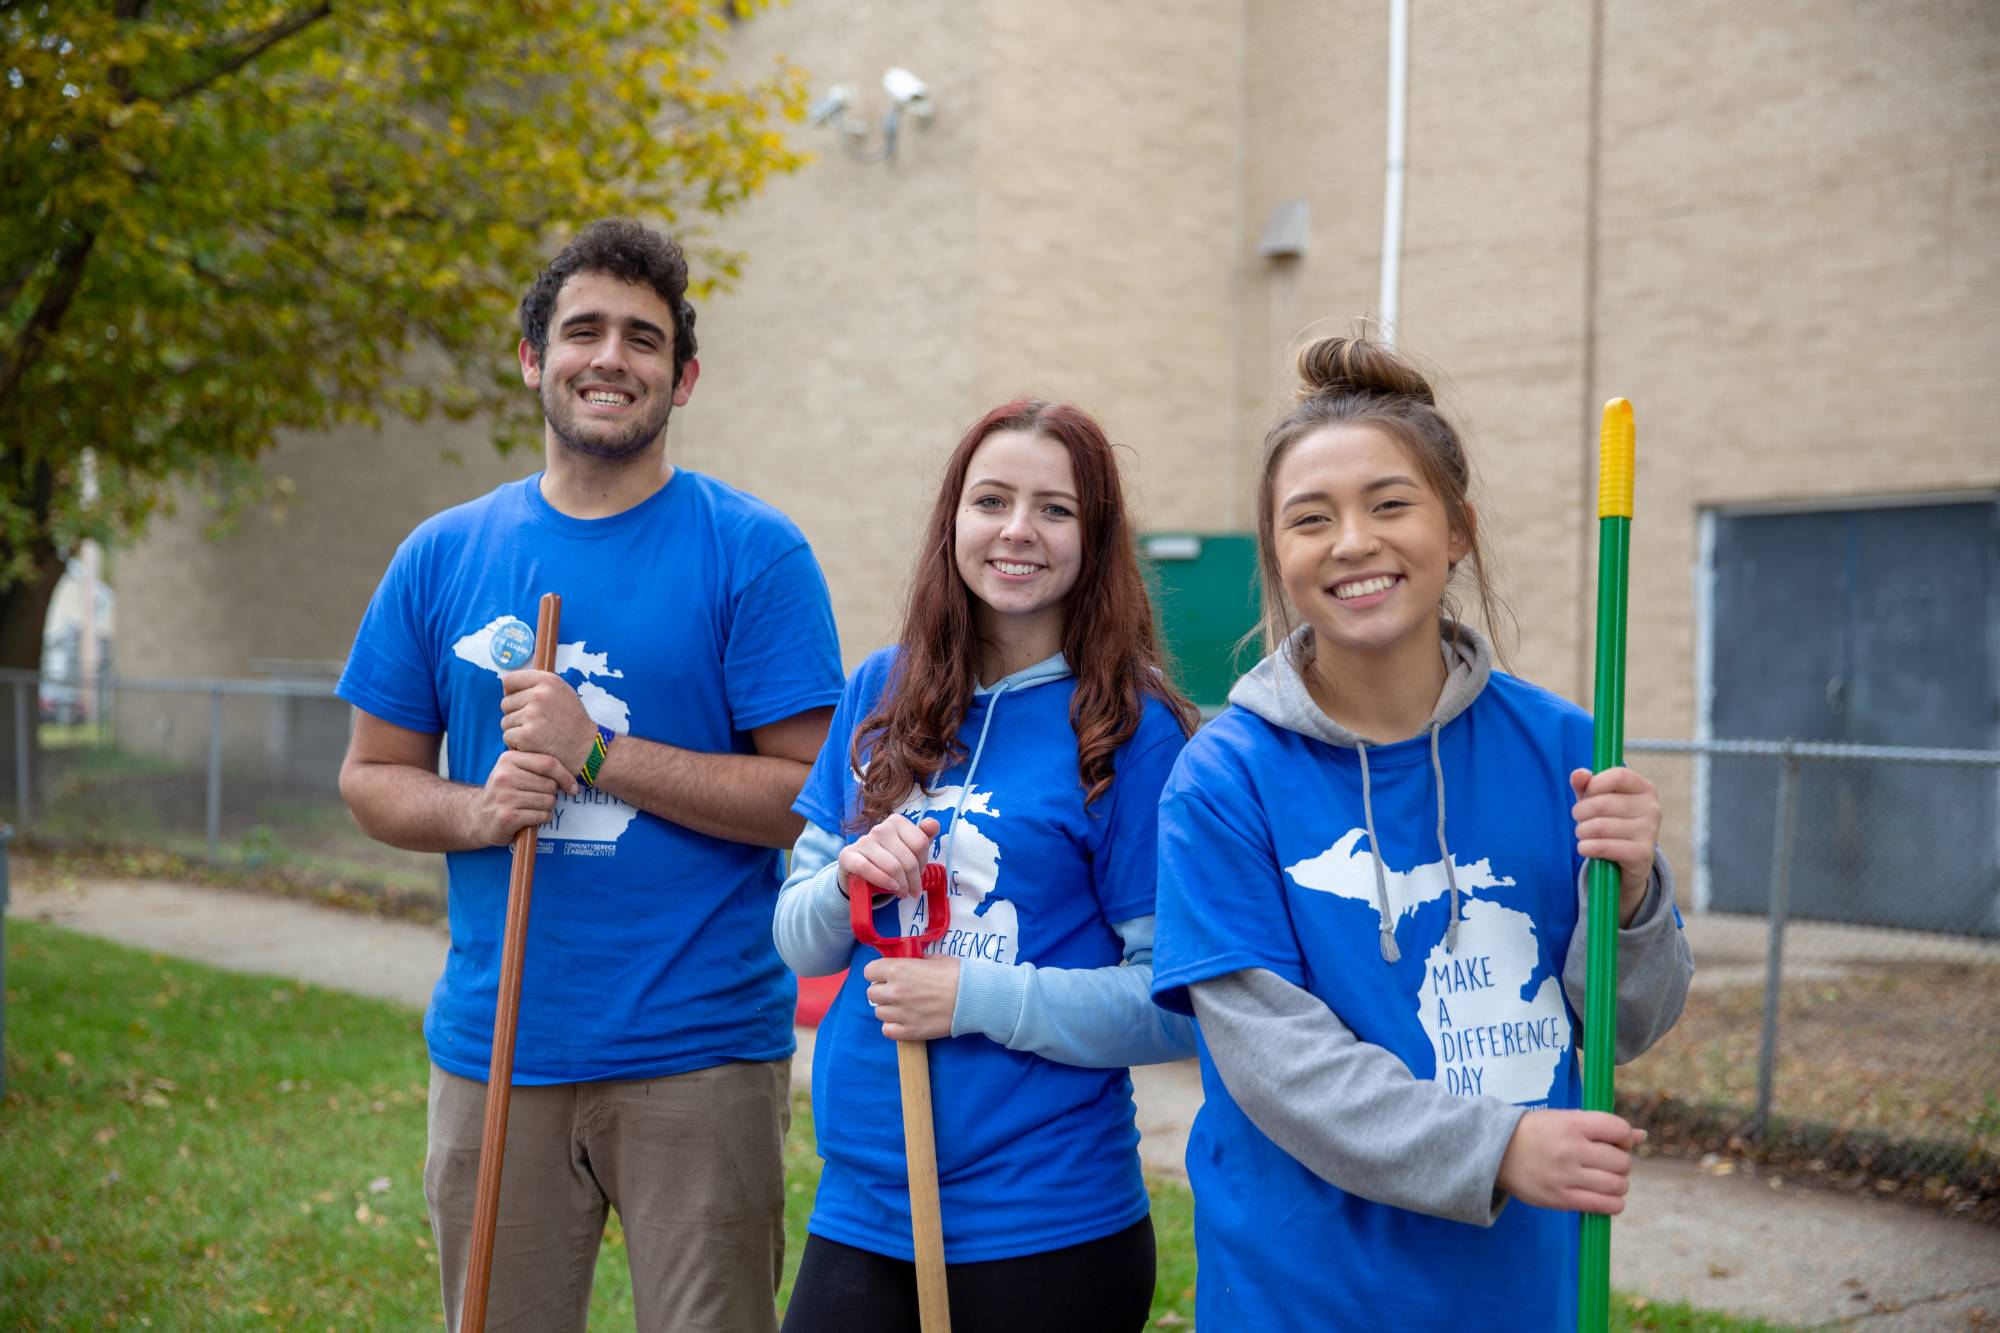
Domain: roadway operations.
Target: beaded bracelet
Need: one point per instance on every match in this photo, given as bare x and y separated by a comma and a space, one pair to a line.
594, 761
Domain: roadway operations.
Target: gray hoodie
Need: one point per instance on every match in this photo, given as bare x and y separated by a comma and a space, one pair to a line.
1351, 1112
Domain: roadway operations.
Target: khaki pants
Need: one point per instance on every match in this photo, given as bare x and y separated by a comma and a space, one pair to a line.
694, 1164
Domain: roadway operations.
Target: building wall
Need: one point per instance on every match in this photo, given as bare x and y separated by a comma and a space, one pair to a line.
1798, 285
1058, 228
1107, 215
1315, 79
1800, 274
844, 357
290, 586
1055, 230
1775, 228
1492, 290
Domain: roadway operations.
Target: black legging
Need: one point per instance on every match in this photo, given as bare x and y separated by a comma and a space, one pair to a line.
1100, 1286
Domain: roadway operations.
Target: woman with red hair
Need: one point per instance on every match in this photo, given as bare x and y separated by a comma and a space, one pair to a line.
1018, 734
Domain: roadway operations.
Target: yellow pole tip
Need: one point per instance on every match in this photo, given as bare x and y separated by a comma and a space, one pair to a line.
1616, 451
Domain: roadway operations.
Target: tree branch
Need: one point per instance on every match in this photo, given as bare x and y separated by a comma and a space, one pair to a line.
18, 281
256, 46
71, 258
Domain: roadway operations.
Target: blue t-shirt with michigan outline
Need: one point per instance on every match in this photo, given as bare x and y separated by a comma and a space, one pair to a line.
1264, 863
1032, 1155
690, 619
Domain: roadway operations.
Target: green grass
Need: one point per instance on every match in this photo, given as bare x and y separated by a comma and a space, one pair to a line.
187, 1148
1631, 1312
72, 735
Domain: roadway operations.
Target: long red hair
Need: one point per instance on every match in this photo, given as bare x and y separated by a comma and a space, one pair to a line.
1114, 651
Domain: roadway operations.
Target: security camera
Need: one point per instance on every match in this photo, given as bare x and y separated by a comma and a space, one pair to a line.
838, 98
908, 90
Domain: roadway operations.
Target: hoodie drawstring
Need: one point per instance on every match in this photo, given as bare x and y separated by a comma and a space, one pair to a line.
972, 770
1390, 953
1450, 871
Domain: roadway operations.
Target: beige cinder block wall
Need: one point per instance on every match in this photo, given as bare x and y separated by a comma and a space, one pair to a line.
844, 355
1774, 229
1494, 266
1777, 230
1108, 207
1061, 227
1798, 281
291, 586
1800, 274
282, 588
1315, 83
1492, 291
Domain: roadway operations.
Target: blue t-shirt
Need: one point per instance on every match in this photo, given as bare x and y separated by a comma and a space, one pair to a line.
689, 619
1264, 863
1032, 1155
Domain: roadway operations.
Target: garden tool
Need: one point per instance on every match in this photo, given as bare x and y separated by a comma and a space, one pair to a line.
506, 1018
914, 1067
1617, 451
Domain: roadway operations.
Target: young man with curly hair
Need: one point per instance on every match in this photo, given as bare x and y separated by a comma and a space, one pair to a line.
695, 674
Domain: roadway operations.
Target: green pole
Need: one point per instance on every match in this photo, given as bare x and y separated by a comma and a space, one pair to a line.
1616, 457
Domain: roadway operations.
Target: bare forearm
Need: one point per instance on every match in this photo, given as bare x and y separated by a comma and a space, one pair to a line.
742, 797
410, 808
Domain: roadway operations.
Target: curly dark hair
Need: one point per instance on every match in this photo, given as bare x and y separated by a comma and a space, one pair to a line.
628, 251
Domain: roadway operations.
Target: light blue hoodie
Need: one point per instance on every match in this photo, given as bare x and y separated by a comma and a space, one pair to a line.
1051, 920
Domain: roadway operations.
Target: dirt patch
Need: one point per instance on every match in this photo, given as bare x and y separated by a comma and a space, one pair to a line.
1885, 1078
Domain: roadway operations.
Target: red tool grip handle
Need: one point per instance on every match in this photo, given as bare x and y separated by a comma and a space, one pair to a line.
861, 914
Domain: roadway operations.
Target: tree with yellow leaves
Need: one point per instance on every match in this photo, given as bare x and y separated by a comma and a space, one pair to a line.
223, 219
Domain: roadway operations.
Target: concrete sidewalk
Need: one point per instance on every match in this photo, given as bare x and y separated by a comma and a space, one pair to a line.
1755, 1246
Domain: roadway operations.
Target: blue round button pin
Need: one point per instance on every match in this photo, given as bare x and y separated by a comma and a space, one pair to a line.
513, 644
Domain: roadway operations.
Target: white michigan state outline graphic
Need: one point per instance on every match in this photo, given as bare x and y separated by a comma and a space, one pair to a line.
1486, 1037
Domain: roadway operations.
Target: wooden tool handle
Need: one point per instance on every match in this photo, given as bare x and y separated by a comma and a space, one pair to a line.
913, 1063
506, 1020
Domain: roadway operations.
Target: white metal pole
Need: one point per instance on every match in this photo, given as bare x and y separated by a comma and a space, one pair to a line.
1704, 704
1392, 172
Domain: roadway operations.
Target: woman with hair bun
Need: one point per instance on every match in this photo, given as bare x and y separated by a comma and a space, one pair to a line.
1371, 900
1018, 733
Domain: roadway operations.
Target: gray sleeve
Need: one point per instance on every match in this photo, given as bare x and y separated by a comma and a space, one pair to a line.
811, 926
1350, 1111
1654, 964
1097, 1017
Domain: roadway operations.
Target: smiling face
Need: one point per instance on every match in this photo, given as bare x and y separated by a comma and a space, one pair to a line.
607, 379
1364, 547
1018, 542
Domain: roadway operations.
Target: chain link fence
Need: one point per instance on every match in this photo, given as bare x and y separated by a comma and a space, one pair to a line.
240, 777
1846, 930
1843, 902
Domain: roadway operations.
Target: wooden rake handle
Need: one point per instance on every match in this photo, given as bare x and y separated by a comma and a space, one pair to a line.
913, 1065
506, 1019
913, 1068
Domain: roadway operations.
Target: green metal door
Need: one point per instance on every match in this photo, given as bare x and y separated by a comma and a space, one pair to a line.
1204, 588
